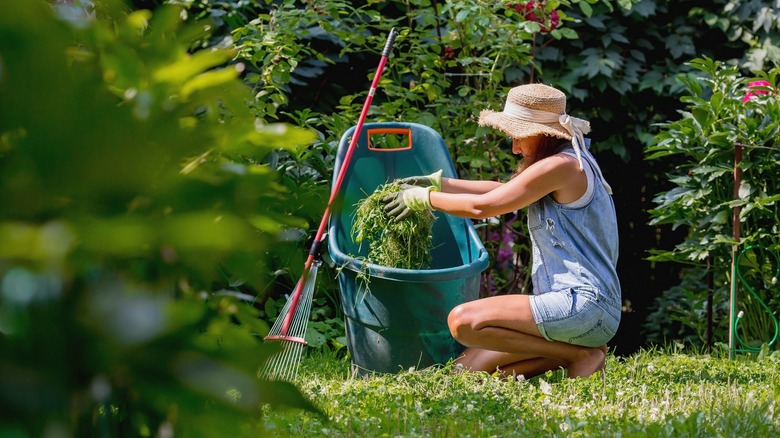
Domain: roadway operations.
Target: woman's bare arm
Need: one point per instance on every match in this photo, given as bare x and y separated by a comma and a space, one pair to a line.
557, 173
453, 185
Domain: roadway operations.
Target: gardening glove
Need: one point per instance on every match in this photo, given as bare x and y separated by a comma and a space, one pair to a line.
432, 180
403, 203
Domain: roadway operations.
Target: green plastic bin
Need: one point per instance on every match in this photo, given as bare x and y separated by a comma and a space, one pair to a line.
402, 321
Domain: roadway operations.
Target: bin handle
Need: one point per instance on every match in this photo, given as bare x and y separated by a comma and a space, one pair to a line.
377, 131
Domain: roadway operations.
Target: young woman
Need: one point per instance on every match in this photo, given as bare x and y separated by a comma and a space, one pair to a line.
575, 307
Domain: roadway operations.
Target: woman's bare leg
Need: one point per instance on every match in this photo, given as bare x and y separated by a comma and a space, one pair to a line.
507, 364
532, 367
506, 324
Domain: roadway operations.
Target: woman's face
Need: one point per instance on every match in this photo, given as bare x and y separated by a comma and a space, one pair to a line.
524, 145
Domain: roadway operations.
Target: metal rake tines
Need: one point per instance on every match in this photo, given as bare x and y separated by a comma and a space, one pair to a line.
284, 364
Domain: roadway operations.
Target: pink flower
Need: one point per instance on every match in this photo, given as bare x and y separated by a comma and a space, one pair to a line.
554, 20
752, 91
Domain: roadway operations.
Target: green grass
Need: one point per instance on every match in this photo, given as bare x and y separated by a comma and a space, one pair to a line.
649, 394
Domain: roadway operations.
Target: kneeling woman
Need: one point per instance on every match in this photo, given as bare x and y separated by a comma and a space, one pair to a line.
575, 308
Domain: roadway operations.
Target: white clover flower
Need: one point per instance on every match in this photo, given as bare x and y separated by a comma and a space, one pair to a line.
654, 413
545, 387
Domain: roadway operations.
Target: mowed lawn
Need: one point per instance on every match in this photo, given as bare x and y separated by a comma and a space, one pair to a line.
651, 393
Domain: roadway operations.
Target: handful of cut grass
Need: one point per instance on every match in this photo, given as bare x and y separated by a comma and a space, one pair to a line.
404, 243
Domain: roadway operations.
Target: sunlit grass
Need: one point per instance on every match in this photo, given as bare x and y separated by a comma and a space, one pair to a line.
651, 393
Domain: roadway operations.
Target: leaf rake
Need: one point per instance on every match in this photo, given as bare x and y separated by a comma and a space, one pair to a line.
290, 327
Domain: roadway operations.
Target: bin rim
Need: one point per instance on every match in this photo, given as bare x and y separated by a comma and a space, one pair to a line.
475, 267
478, 264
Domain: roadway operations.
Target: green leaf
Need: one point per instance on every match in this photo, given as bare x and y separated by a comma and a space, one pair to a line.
568, 33
586, 8
720, 139
208, 80
462, 15
702, 116
314, 338
188, 66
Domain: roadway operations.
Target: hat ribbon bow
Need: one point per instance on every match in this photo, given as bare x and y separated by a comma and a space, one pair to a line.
576, 127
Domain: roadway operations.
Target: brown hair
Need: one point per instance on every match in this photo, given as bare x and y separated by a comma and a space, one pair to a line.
547, 147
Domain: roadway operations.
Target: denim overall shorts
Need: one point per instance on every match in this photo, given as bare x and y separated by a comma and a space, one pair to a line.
577, 297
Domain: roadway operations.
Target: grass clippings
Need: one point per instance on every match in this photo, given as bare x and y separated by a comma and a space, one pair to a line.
404, 244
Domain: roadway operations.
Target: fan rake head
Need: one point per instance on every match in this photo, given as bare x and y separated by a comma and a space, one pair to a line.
289, 331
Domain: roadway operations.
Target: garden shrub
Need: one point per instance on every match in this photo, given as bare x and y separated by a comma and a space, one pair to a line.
724, 108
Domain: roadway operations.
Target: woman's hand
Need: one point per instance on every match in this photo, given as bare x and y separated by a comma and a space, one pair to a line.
410, 199
432, 180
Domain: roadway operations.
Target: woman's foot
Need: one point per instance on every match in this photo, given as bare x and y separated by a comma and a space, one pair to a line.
592, 360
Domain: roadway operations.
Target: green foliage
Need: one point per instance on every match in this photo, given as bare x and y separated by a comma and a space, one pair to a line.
678, 314
622, 69
661, 393
124, 203
756, 327
703, 141
703, 144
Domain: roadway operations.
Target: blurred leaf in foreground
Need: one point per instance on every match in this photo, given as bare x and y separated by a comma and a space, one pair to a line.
122, 208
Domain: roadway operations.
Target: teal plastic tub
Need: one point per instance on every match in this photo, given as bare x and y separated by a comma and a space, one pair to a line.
402, 321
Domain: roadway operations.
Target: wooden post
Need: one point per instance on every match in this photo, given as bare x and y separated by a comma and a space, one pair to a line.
710, 291
734, 249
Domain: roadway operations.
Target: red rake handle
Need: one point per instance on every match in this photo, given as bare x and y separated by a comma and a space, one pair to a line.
337, 185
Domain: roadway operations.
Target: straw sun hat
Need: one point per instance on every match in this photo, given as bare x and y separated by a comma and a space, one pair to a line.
534, 109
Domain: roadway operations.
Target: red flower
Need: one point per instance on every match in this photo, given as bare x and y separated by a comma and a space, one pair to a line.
533, 11
752, 91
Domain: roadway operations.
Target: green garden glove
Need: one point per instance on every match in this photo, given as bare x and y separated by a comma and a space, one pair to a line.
432, 180
403, 203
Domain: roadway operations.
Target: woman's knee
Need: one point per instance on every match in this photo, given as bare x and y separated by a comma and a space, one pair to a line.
460, 322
